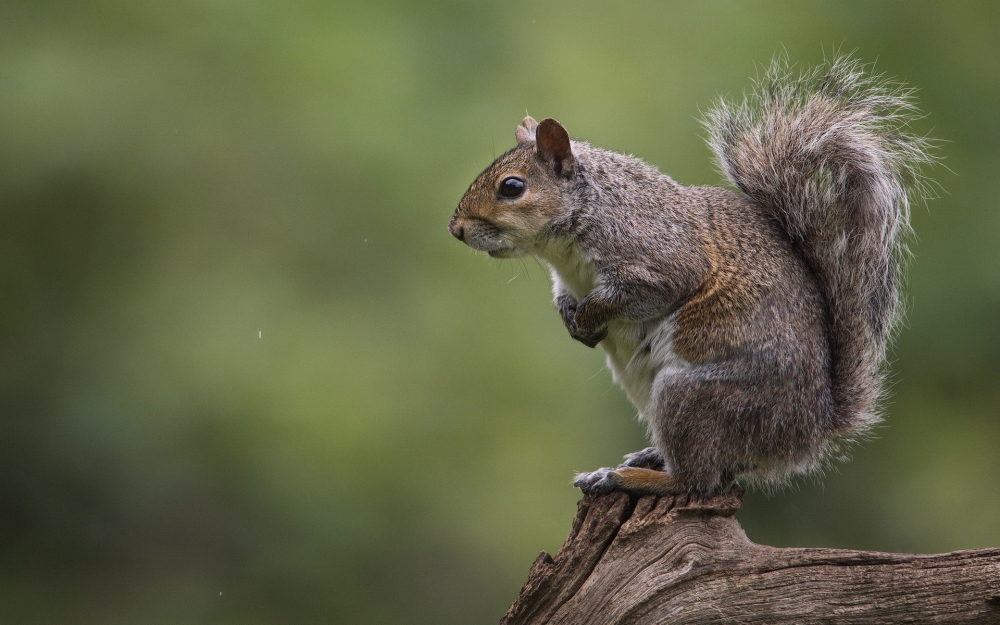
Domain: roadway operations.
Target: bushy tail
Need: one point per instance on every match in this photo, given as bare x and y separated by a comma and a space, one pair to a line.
829, 153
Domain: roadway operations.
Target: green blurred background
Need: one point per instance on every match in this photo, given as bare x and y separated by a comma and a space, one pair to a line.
248, 377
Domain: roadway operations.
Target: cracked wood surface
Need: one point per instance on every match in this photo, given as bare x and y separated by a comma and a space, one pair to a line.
684, 559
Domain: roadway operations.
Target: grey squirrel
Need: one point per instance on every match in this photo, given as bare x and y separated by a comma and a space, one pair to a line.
748, 328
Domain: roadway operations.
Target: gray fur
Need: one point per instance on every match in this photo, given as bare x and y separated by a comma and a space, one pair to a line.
748, 329
829, 154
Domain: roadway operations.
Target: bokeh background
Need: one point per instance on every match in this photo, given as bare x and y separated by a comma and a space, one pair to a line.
246, 376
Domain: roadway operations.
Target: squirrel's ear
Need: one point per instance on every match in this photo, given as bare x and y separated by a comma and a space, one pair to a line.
525, 133
552, 144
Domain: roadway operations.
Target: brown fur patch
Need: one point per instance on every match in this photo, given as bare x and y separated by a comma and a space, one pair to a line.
646, 481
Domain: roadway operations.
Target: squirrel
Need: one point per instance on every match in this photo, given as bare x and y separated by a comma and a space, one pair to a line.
749, 328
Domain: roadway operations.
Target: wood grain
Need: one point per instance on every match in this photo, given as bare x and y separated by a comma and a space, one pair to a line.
685, 559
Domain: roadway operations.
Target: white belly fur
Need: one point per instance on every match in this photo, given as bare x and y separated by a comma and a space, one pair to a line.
637, 351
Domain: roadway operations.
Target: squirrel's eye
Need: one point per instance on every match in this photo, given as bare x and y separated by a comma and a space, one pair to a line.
512, 187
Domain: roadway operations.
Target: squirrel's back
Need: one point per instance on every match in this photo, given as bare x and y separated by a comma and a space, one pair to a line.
828, 154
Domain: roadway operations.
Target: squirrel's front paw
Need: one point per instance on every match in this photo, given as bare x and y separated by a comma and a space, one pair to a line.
568, 306
589, 325
590, 340
598, 482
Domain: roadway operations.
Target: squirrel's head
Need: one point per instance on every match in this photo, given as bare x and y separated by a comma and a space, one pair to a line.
507, 209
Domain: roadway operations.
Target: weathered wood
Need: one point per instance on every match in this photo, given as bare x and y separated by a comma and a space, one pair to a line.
683, 559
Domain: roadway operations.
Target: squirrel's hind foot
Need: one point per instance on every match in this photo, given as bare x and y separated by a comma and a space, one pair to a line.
648, 458
631, 480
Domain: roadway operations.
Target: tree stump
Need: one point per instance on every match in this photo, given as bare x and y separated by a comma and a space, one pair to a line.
685, 559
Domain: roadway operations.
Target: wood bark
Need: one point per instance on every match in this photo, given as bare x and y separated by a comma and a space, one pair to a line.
685, 559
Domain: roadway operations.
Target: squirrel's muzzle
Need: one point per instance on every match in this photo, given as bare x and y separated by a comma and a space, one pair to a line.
456, 229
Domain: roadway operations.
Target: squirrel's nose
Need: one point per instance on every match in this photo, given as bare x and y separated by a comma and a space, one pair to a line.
456, 230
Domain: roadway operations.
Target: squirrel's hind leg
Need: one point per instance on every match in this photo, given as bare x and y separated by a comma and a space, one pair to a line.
632, 480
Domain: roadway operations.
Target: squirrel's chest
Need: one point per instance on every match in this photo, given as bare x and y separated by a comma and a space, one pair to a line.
571, 270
